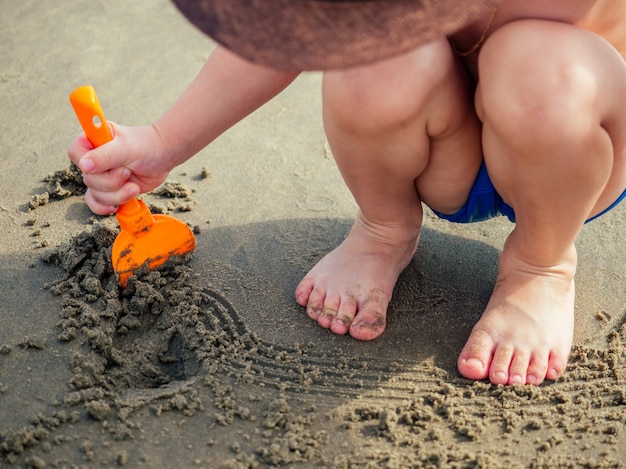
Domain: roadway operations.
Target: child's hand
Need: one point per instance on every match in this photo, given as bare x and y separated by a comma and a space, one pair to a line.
132, 163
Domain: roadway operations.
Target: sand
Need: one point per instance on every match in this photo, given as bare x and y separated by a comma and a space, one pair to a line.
208, 362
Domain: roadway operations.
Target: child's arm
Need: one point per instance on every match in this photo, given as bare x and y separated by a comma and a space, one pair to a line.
139, 159
225, 91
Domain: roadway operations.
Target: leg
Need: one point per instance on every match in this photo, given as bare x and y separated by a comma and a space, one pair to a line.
401, 130
554, 145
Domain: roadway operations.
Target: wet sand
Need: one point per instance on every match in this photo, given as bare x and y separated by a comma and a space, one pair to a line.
209, 362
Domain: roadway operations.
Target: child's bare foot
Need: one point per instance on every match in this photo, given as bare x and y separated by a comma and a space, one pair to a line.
526, 331
348, 291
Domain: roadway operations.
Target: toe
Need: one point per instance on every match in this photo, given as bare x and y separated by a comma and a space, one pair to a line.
537, 368
315, 305
475, 357
500, 364
303, 292
371, 316
345, 315
326, 317
329, 310
519, 367
556, 366
368, 326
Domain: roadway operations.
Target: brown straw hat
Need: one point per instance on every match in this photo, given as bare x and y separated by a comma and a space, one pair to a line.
327, 34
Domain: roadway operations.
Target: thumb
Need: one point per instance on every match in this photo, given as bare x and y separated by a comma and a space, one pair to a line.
103, 158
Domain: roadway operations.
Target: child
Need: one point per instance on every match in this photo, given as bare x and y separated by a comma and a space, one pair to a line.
519, 112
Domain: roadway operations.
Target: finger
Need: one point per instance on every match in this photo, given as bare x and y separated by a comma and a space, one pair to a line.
108, 181
105, 200
110, 155
77, 149
99, 160
96, 207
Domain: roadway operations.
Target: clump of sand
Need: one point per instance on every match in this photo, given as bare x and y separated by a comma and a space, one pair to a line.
60, 185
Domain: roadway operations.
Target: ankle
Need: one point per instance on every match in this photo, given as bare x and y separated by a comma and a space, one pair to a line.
396, 233
519, 257
393, 240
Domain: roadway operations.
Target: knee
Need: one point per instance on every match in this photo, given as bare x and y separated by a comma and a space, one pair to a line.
534, 84
385, 94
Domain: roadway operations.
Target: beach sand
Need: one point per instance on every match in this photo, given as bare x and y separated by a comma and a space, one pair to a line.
209, 362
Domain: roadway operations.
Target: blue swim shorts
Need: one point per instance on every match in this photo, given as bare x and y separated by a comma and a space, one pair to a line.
484, 203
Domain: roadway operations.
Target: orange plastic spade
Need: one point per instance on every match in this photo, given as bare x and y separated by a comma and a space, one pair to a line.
144, 238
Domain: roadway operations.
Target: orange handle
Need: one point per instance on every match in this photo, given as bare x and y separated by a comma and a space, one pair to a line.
133, 216
87, 108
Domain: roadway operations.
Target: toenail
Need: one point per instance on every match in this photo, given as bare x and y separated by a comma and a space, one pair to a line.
328, 313
553, 374
516, 379
339, 322
313, 312
369, 329
474, 363
500, 375
343, 319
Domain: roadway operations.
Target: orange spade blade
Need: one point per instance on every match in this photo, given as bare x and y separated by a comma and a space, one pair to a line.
144, 238
147, 239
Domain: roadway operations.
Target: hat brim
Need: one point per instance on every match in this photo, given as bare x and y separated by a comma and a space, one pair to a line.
327, 34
